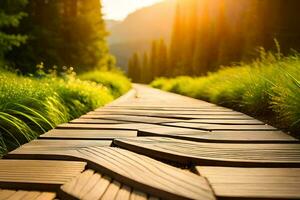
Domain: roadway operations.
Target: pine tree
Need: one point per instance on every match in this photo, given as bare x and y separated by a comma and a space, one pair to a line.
191, 36
201, 54
153, 60
10, 17
162, 58
130, 69
176, 41
146, 71
136, 64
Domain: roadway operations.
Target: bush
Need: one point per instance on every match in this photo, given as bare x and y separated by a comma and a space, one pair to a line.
267, 88
30, 106
115, 81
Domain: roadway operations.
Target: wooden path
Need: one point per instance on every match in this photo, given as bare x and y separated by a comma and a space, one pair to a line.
151, 145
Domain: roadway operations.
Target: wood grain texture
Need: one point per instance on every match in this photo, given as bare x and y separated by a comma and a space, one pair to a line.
83, 120
137, 171
219, 136
76, 134
253, 183
63, 145
92, 185
222, 127
128, 118
37, 174
130, 127
25, 195
187, 152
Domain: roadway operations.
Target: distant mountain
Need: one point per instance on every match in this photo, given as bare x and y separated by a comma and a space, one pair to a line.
111, 23
139, 29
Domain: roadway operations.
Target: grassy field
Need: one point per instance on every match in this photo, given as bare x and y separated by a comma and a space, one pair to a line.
29, 106
268, 88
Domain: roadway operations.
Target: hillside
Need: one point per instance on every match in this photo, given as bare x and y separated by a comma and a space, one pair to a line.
137, 31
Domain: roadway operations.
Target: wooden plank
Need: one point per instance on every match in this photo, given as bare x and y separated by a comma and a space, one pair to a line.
63, 145
220, 136
253, 183
226, 121
129, 127
137, 171
88, 134
166, 112
220, 127
96, 121
173, 116
129, 108
126, 118
5, 194
214, 154
37, 174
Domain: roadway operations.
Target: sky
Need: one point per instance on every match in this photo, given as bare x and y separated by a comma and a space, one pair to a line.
119, 9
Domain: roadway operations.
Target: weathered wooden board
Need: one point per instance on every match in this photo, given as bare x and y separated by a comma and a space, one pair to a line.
62, 145
137, 171
173, 116
220, 136
253, 183
38, 174
221, 127
125, 119
96, 121
170, 112
132, 127
214, 154
91, 185
25, 195
87, 134
226, 121
129, 108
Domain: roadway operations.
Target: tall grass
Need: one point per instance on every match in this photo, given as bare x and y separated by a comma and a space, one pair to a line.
114, 80
267, 88
31, 106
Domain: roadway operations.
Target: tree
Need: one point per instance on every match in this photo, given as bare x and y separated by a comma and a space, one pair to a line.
201, 54
134, 68
176, 41
10, 17
146, 70
153, 60
63, 33
162, 59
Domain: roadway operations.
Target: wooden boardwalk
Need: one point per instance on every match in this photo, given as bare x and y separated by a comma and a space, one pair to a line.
151, 145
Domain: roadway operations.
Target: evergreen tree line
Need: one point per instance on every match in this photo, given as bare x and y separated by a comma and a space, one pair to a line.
56, 32
208, 34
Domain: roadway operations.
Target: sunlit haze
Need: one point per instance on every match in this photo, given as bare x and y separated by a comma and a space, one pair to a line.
119, 9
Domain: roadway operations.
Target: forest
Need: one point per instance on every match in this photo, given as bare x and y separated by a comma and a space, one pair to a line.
57, 33
55, 66
208, 34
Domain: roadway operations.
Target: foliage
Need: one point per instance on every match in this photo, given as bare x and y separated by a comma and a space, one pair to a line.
116, 81
268, 88
62, 33
30, 106
10, 18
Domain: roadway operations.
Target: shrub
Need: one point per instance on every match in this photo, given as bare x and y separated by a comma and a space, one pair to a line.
267, 88
115, 81
30, 106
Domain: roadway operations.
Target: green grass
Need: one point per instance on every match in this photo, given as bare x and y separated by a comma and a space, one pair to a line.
115, 81
31, 106
268, 88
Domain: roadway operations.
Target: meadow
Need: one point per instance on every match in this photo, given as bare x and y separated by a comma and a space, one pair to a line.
32, 105
267, 88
